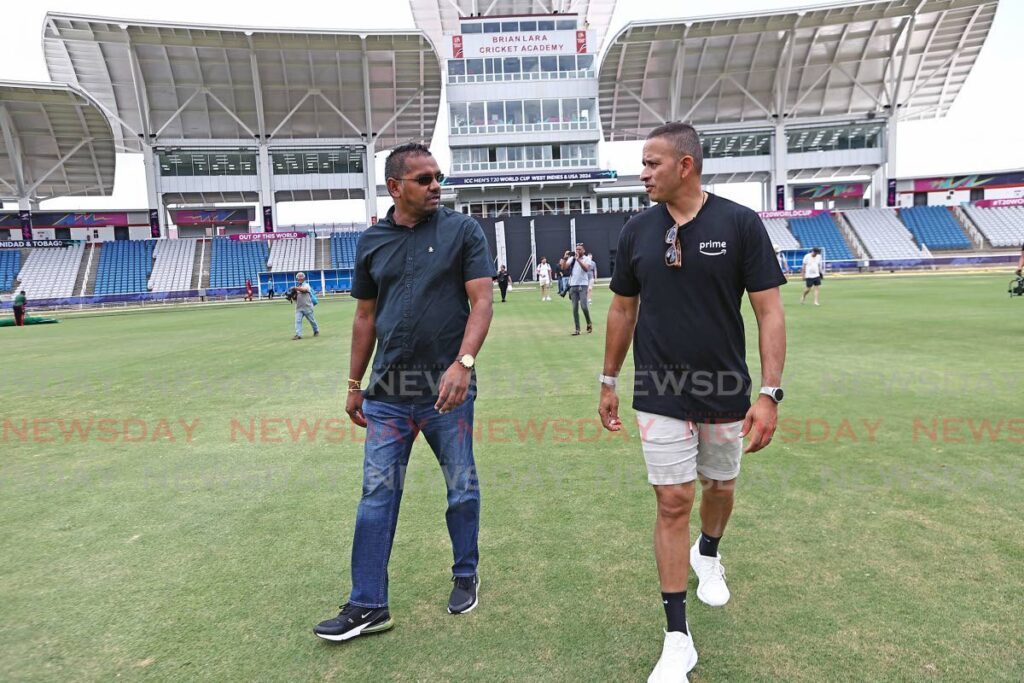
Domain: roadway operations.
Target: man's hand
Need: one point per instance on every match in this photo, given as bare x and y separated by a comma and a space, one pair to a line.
454, 388
354, 408
608, 409
760, 423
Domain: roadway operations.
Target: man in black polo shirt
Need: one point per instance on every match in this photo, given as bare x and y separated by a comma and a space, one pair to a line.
681, 269
423, 285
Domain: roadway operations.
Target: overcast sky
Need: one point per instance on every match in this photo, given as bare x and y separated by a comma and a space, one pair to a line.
983, 132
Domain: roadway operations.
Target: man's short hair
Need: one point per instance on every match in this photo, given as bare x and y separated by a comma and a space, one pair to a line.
395, 165
684, 139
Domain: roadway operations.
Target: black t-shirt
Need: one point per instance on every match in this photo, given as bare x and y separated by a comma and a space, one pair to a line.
502, 277
689, 347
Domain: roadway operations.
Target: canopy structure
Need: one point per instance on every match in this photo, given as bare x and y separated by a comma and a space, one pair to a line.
439, 18
249, 97
55, 142
164, 81
909, 57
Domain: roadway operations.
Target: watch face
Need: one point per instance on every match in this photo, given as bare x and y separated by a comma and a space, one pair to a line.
778, 395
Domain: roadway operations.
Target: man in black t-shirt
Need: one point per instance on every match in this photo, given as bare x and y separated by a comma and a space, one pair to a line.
502, 278
681, 269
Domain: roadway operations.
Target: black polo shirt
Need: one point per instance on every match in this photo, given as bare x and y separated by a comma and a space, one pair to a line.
689, 347
418, 276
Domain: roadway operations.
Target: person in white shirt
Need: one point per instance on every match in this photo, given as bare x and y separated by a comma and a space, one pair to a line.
812, 271
544, 278
577, 264
781, 258
592, 274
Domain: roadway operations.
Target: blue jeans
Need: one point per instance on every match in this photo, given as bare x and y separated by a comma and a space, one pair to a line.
299, 315
391, 430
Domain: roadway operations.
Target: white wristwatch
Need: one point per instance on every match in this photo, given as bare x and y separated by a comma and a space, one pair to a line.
608, 380
774, 393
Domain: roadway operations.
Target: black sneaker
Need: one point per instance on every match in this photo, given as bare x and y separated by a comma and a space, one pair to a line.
463, 598
354, 621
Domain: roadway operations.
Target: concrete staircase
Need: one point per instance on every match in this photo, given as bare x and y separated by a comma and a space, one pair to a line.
856, 248
323, 254
85, 282
201, 265
971, 229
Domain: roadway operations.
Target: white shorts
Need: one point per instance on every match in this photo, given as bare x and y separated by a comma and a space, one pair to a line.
677, 451
544, 282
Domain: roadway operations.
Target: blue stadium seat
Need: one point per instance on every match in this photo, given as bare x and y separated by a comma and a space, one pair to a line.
343, 249
934, 227
821, 231
10, 266
234, 262
124, 267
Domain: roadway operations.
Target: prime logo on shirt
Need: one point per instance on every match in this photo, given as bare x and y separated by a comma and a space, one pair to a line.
713, 248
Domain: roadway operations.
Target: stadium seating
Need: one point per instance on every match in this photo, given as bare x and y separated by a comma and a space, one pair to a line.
882, 234
232, 262
124, 267
821, 231
50, 273
292, 255
778, 231
1002, 226
172, 265
10, 264
343, 249
934, 227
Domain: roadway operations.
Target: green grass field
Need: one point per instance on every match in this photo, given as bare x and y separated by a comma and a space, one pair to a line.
193, 536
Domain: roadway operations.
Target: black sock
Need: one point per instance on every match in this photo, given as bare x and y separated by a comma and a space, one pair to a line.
675, 611
709, 545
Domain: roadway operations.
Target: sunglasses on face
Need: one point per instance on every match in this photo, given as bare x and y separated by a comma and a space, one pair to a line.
425, 179
674, 254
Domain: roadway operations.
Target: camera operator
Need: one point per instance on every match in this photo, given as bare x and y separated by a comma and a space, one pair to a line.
303, 300
578, 266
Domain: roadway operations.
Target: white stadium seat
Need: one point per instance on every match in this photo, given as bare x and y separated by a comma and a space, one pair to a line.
292, 255
882, 234
778, 231
172, 265
1002, 226
51, 273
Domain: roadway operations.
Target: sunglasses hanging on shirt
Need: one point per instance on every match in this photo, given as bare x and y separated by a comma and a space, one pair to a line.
674, 254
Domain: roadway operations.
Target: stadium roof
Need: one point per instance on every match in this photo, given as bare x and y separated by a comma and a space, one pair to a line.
827, 60
441, 17
55, 142
189, 82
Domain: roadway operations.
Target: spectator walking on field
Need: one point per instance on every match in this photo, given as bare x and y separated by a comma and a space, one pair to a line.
19, 309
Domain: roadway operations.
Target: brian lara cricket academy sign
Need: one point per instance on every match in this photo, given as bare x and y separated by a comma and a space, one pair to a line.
525, 44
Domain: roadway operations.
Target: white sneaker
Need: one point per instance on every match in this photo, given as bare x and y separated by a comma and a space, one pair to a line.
678, 657
711, 588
